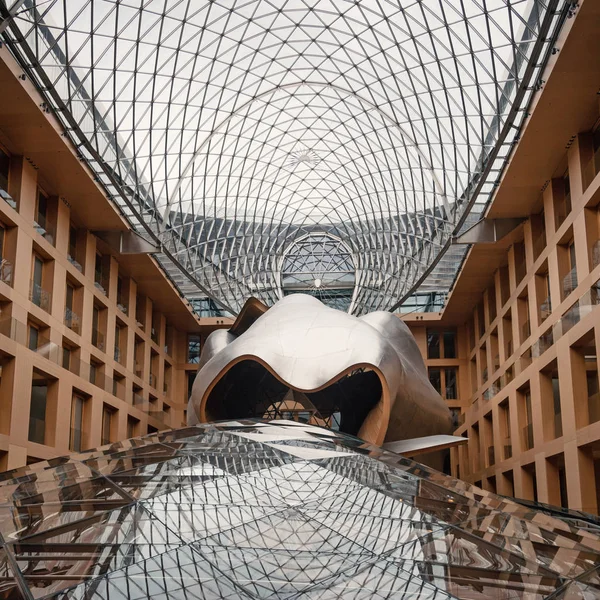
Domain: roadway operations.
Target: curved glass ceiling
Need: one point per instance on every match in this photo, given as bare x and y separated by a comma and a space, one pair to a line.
229, 131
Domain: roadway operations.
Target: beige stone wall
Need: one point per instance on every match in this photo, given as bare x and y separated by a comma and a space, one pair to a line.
532, 409
143, 382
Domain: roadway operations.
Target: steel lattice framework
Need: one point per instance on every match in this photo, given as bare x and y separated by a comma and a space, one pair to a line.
227, 130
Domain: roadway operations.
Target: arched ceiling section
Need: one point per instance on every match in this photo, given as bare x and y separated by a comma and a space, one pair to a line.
226, 130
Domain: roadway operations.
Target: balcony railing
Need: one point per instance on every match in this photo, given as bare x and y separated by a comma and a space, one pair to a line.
100, 282
544, 342
496, 362
39, 296
45, 228
98, 339
72, 320
74, 263
6, 271
594, 408
545, 309
569, 282
8, 198
528, 437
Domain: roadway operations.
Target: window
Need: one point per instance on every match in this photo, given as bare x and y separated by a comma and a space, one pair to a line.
38, 270
435, 378
4, 169
38, 295
34, 337
445, 381
441, 345
72, 243
107, 418
132, 426
451, 386
193, 355
41, 217
93, 373
118, 329
100, 274
37, 411
433, 344
76, 434
449, 344
66, 358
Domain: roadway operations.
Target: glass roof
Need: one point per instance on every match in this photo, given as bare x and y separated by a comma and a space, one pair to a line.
277, 510
228, 130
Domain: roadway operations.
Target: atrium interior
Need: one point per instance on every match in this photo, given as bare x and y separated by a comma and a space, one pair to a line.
256, 255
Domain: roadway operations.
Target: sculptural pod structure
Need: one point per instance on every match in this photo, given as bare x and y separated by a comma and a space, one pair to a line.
301, 359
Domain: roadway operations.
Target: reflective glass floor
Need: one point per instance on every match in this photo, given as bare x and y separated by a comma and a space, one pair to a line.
277, 510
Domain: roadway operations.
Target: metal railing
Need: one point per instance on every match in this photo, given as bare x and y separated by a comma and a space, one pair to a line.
6, 271
46, 229
545, 309
39, 296
72, 320
101, 282
8, 198
98, 339
74, 263
569, 282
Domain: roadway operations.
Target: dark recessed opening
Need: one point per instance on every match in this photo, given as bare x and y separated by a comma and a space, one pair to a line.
249, 390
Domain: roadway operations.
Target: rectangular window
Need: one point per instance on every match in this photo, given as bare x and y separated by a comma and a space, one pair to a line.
93, 373
37, 412
449, 344
34, 338
66, 358
42, 210
77, 404
72, 242
4, 169
433, 344
107, 415
451, 383
69, 297
435, 378
132, 425
38, 270
193, 355
2, 235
